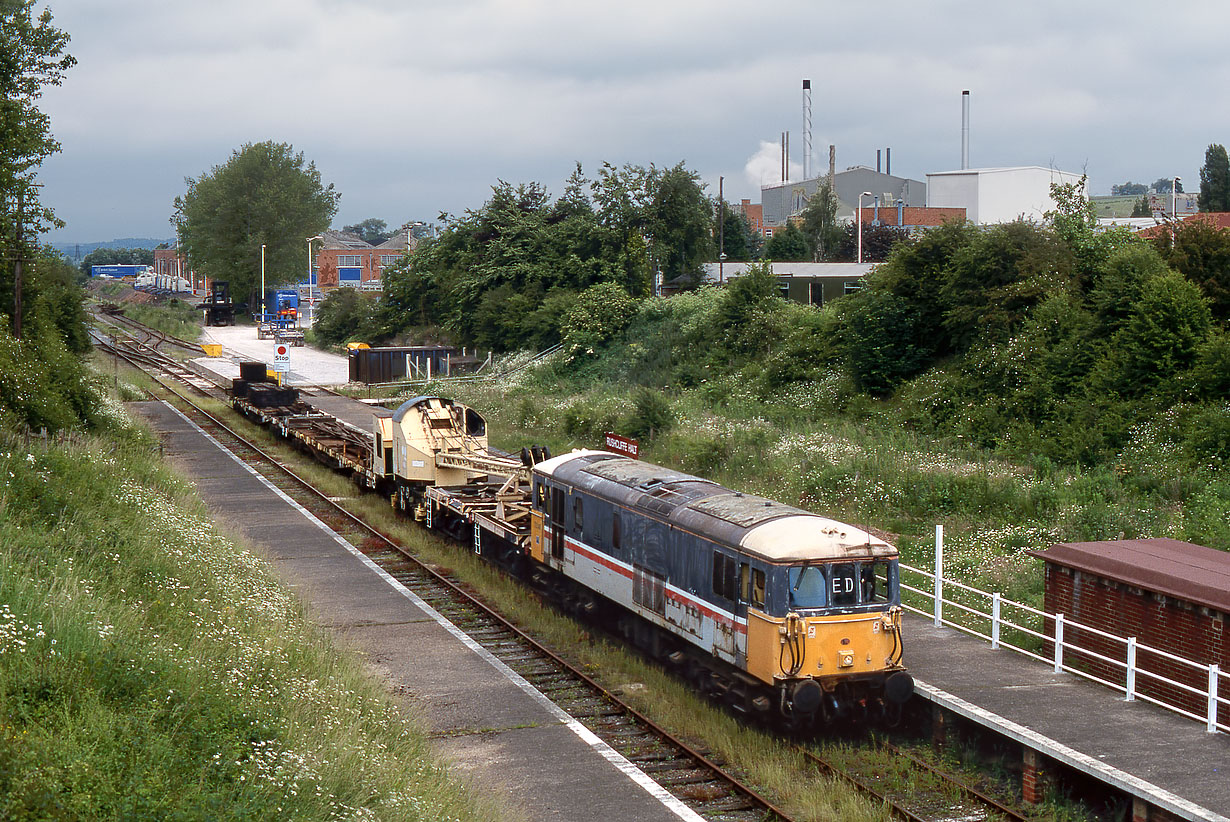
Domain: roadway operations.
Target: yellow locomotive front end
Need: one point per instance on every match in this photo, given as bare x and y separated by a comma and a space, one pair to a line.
829, 639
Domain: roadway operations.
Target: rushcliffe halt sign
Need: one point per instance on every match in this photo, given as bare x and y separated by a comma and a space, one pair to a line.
623, 445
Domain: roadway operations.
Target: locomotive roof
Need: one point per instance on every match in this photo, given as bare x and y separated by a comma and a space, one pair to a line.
760, 526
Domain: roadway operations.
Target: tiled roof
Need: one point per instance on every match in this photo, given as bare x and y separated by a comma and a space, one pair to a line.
1217, 219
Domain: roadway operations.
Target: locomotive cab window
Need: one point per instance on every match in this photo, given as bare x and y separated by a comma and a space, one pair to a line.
874, 583
615, 535
808, 586
578, 519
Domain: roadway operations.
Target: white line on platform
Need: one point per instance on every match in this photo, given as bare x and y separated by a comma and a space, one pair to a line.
1133, 785
603, 749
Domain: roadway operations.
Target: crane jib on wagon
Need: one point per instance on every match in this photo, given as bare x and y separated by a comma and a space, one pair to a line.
777, 611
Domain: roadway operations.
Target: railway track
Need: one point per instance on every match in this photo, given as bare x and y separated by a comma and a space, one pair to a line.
939, 795
688, 773
147, 345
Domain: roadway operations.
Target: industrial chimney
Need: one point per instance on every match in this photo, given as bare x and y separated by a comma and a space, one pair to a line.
965, 129
807, 129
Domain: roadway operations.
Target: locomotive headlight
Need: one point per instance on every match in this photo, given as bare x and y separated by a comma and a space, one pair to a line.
845, 659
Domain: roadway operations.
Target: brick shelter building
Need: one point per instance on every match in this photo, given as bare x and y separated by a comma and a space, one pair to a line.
1170, 595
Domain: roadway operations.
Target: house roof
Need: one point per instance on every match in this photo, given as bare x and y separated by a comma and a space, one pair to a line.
848, 271
1183, 570
342, 239
1217, 219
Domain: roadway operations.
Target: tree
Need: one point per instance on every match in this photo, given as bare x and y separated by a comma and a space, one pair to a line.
598, 314
995, 280
371, 231
1142, 207
739, 243
819, 226
679, 223
31, 58
264, 195
1200, 251
1161, 336
342, 315
1129, 189
1163, 185
787, 245
878, 242
1215, 180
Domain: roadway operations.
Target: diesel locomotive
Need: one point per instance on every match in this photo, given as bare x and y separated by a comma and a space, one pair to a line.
773, 608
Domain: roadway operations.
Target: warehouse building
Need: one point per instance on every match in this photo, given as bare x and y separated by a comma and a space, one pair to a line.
997, 195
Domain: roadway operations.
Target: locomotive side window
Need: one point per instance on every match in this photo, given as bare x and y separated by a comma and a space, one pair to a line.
751, 584
807, 587
557, 523
843, 588
577, 518
725, 583
615, 535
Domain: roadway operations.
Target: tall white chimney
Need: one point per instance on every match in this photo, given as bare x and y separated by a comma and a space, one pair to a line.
965, 129
807, 129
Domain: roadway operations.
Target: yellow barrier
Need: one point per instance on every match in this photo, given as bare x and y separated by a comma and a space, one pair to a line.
211, 350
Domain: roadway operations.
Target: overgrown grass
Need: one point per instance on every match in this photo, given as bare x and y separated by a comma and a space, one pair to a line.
174, 317
151, 668
855, 460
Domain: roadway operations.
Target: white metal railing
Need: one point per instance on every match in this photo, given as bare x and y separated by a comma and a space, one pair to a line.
1217, 713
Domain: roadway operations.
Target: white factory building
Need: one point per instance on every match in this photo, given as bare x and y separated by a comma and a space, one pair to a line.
997, 195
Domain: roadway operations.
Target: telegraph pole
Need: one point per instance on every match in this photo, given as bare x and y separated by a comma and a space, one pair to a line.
721, 230
21, 202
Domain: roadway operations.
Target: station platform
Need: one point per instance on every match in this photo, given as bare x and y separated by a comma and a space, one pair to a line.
1161, 758
498, 732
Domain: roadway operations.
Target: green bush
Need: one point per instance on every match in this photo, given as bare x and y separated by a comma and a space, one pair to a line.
598, 314
343, 316
651, 415
1206, 437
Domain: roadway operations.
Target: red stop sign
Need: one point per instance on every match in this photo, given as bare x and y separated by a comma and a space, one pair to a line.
281, 350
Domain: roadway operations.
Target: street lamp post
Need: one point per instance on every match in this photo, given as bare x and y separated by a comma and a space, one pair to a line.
859, 218
311, 293
262, 281
1174, 208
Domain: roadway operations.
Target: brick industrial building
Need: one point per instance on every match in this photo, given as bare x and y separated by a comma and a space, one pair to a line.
345, 259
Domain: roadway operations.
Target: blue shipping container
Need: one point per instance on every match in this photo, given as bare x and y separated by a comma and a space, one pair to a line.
118, 270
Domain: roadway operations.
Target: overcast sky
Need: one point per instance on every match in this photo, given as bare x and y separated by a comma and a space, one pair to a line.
412, 108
